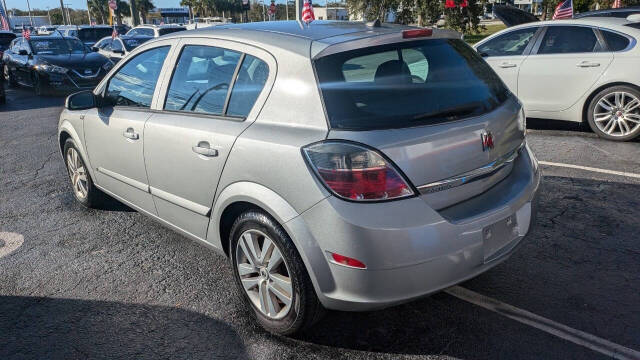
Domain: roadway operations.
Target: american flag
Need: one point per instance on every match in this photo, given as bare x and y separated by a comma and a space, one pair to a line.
114, 33
564, 10
617, 4
26, 33
307, 12
3, 18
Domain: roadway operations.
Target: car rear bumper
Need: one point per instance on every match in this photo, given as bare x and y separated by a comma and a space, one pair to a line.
411, 250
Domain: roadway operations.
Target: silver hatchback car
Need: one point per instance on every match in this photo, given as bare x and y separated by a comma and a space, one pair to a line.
338, 165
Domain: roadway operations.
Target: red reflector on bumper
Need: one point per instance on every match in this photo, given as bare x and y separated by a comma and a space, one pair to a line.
345, 260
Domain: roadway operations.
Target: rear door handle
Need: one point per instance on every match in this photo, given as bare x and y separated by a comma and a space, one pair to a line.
588, 64
505, 65
203, 148
131, 134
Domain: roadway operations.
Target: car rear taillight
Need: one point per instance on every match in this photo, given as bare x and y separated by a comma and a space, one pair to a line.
355, 172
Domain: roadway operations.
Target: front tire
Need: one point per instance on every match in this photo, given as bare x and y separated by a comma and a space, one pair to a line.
7, 74
81, 183
614, 113
270, 275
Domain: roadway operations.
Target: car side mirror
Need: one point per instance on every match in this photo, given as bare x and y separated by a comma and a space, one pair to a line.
94, 49
23, 52
81, 100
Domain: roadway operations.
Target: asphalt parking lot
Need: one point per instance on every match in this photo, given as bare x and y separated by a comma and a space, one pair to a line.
78, 283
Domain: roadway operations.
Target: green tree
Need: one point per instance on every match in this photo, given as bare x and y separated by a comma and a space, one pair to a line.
144, 7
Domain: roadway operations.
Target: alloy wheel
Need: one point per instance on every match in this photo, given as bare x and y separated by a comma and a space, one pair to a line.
617, 114
264, 274
77, 173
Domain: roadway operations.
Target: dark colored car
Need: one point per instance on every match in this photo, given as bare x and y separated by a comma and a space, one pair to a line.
54, 64
116, 49
618, 13
88, 34
6, 37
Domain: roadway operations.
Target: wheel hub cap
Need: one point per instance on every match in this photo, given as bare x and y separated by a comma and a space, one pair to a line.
617, 114
264, 274
77, 173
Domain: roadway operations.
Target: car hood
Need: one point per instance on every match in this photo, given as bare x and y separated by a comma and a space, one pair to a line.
512, 16
90, 59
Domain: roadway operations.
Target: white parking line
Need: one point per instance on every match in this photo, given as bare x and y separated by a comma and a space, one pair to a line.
562, 331
10, 243
587, 168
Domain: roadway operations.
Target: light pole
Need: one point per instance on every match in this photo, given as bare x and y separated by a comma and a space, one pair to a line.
62, 13
30, 19
68, 13
49, 15
88, 12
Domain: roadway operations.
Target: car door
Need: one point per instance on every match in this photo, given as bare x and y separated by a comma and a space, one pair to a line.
564, 64
114, 132
117, 50
506, 52
214, 94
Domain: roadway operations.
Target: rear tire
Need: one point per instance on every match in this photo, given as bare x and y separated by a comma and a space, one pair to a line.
82, 185
304, 307
614, 113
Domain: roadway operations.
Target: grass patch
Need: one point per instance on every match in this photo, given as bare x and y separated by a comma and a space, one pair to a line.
490, 29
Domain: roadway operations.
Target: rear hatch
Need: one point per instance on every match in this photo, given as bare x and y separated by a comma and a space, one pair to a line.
512, 16
428, 105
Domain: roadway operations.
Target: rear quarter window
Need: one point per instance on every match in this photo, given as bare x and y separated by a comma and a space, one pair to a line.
615, 42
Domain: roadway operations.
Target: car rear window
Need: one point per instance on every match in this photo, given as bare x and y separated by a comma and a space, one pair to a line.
407, 84
93, 34
165, 31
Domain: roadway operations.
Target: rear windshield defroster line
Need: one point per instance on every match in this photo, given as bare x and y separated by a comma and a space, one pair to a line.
407, 84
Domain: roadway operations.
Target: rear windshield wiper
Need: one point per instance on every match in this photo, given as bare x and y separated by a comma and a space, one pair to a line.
451, 113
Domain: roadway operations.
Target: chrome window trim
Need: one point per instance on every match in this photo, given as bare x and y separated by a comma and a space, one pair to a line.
471, 176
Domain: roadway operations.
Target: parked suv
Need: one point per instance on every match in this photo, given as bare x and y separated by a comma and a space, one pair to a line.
337, 165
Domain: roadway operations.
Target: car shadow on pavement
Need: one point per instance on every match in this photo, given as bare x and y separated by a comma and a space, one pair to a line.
577, 267
23, 99
53, 328
546, 124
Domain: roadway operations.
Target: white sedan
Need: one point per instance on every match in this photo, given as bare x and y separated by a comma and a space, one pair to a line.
576, 70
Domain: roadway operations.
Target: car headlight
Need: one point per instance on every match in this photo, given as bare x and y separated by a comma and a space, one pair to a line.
51, 68
107, 66
522, 120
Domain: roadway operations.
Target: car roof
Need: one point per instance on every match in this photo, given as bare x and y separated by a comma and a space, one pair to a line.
125, 37
608, 22
297, 37
628, 9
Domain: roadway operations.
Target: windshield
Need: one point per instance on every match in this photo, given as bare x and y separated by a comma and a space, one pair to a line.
93, 34
57, 46
131, 44
169, 30
407, 84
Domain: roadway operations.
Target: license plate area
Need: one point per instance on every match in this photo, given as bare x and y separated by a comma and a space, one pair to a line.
497, 235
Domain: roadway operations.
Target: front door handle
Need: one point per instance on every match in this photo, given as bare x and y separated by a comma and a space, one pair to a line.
203, 148
588, 64
505, 65
131, 134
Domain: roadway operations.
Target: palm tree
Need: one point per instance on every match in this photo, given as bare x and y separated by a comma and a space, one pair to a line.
144, 7
99, 9
190, 4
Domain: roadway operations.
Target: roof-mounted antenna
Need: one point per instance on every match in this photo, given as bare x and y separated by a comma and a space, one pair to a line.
375, 23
